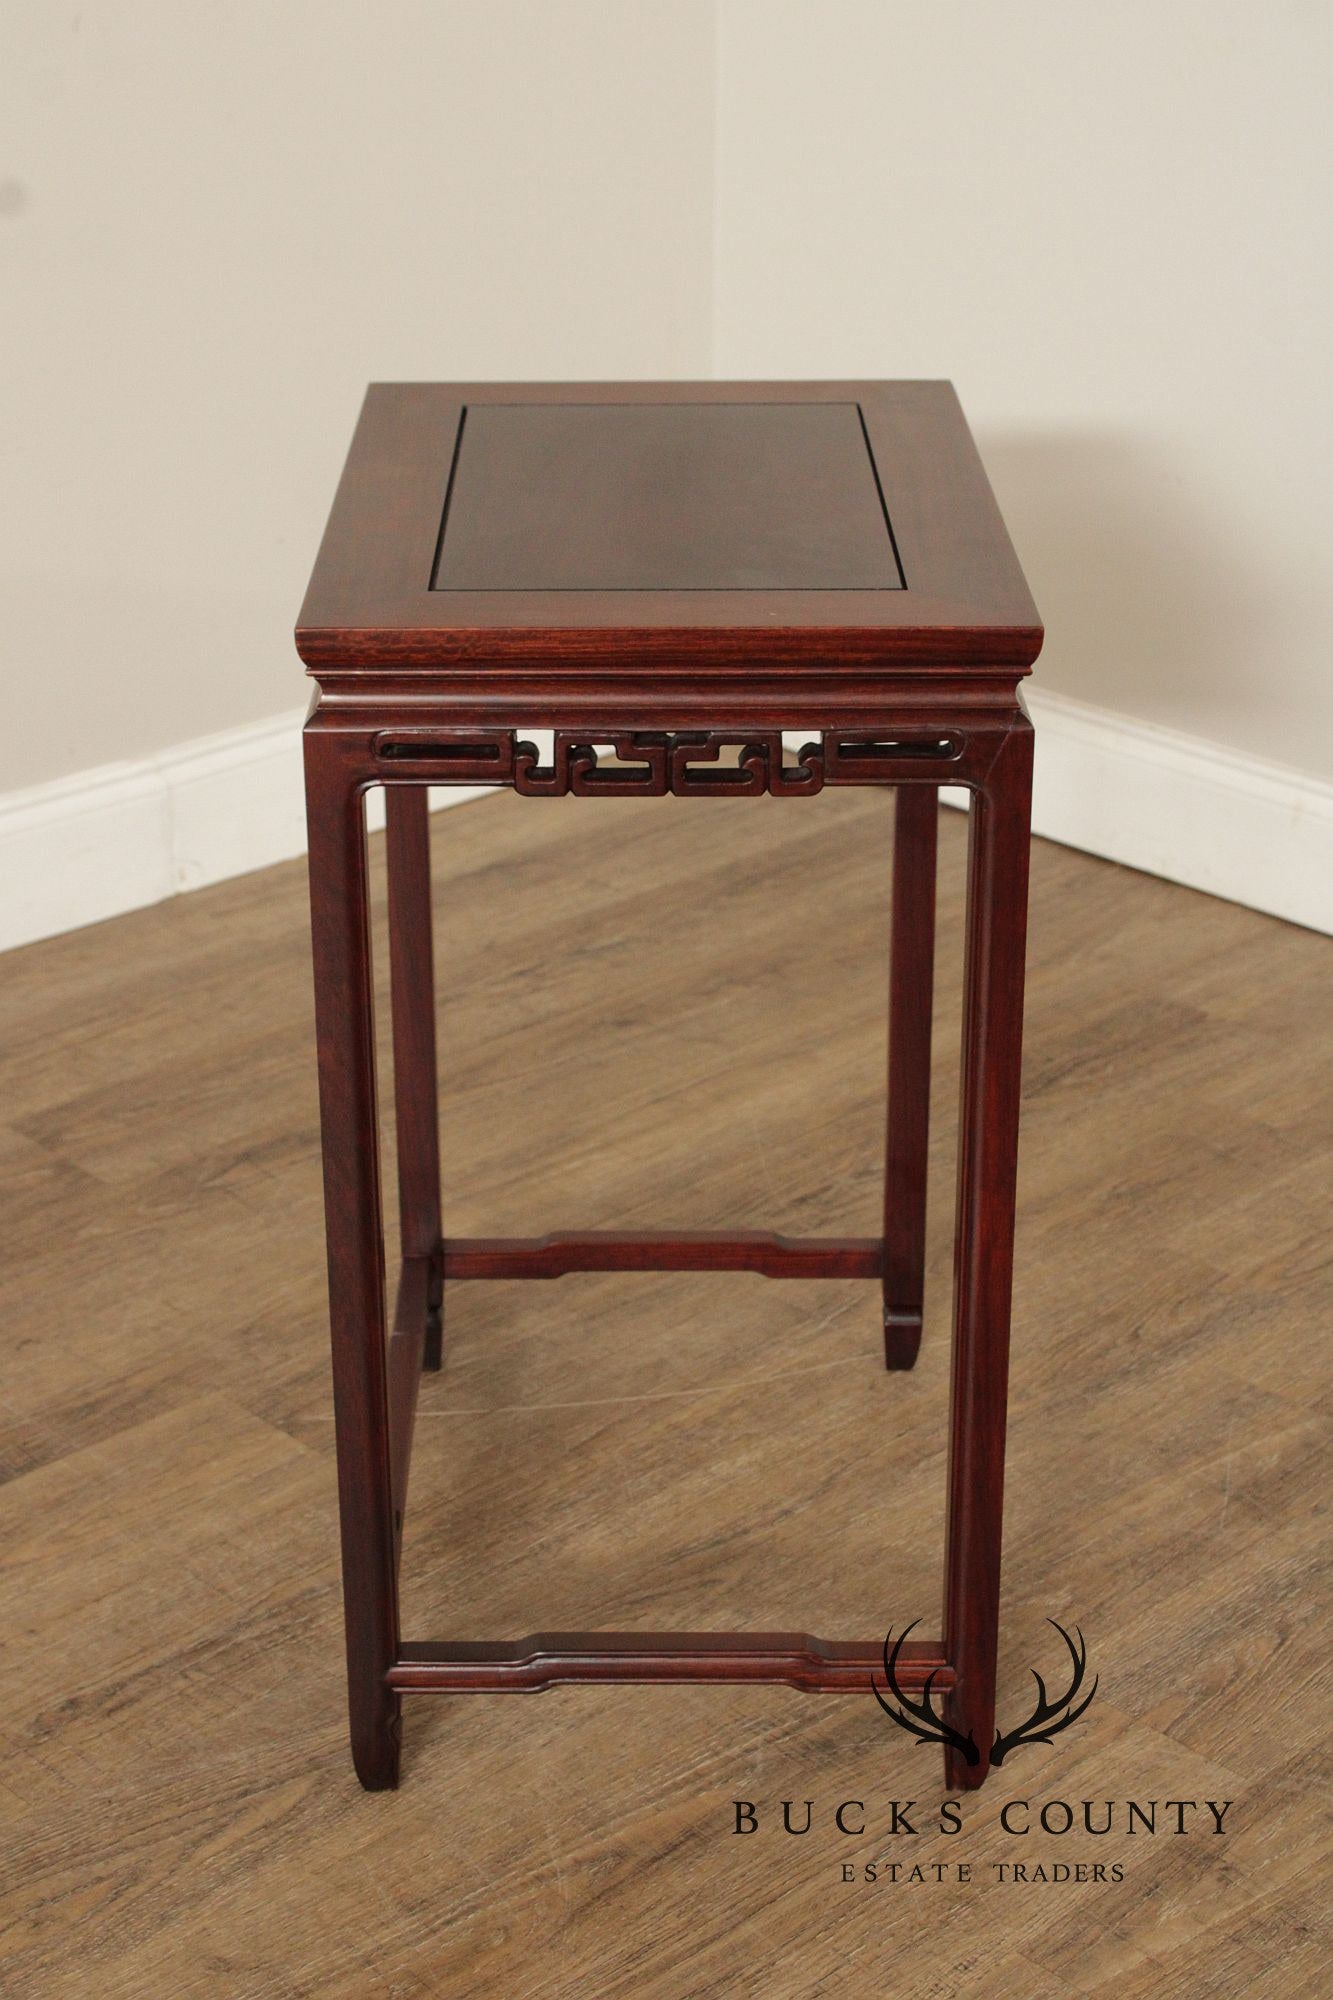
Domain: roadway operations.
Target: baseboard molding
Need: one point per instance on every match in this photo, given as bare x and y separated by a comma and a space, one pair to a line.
1169, 804
113, 839
122, 836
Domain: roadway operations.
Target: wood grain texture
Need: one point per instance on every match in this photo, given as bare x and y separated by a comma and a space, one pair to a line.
371, 606
175, 1800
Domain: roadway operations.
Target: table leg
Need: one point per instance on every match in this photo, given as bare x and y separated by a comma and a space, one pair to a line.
911, 993
344, 1026
983, 1246
412, 970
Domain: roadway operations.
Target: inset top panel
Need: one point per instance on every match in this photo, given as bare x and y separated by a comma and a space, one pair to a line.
485, 533
675, 496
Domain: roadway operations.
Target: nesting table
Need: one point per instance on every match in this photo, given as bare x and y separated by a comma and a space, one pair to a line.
710, 590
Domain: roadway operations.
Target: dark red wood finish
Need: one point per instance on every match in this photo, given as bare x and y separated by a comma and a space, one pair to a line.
642, 497
551, 1659
997, 897
371, 603
406, 1358
756, 1250
344, 1030
911, 996
909, 683
415, 1083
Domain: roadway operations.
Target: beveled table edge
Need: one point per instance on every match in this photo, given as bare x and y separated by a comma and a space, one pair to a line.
370, 607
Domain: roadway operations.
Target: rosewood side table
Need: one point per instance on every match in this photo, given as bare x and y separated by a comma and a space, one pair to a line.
680, 574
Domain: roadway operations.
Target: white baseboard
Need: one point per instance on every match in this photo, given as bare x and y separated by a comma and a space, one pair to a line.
124, 835
116, 838
1238, 827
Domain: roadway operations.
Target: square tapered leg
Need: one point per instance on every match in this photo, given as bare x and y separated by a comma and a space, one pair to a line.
911, 996
344, 1028
984, 1237
415, 1083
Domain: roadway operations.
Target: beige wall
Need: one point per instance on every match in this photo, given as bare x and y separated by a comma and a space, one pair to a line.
1105, 223
1109, 225
217, 223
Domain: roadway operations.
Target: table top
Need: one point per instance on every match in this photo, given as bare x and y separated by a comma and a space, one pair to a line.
645, 527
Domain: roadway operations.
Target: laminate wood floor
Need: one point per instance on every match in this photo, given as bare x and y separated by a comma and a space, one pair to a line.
661, 1013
